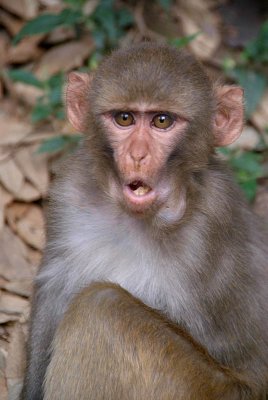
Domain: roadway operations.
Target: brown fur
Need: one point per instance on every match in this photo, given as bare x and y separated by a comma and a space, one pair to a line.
111, 346
199, 256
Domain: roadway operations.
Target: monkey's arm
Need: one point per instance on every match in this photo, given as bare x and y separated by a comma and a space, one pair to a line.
109, 345
43, 325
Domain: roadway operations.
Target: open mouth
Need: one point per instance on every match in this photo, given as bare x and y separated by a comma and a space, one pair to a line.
139, 188
139, 194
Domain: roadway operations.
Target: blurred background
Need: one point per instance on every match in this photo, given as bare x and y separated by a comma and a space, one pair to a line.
40, 42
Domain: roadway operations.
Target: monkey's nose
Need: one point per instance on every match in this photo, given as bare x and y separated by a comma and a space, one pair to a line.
139, 152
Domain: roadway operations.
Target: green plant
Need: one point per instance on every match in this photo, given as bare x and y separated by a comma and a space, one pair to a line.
184, 40
107, 23
247, 168
50, 103
250, 71
59, 143
257, 50
165, 4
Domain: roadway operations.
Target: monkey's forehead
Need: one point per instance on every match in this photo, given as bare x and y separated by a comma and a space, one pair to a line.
152, 74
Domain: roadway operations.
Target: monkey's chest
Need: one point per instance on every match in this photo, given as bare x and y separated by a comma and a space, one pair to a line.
100, 247
138, 266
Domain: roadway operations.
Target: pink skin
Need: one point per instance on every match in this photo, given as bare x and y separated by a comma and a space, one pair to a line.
141, 150
144, 200
157, 196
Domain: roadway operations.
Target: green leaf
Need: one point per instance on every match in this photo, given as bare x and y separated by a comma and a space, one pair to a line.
56, 143
249, 162
60, 114
166, 4
225, 151
54, 89
247, 169
74, 139
257, 50
99, 38
184, 40
22, 75
108, 24
94, 60
41, 111
125, 18
254, 84
76, 4
105, 17
45, 23
56, 81
250, 189
55, 96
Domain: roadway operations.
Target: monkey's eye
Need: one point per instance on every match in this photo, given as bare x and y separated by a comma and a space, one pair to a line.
162, 121
124, 118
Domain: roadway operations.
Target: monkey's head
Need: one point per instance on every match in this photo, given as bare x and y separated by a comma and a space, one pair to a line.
153, 119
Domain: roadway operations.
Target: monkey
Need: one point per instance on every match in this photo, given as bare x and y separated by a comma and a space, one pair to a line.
115, 347
146, 203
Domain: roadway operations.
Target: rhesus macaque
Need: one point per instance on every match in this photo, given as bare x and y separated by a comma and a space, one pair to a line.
109, 345
146, 203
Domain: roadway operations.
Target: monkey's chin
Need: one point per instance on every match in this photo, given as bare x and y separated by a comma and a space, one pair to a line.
139, 203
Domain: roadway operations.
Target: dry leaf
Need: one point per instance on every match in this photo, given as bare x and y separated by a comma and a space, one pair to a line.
34, 167
27, 9
3, 387
13, 130
34, 257
11, 176
28, 193
16, 362
39, 136
27, 94
12, 24
261, 202
248, 139
13, 257
1, 89
5, 199
14, 388
64, 57
60, 34
260, 116
21, 288
28, 222
52, 3
4, 44
3, 359
5, 318
26, 50
13, 304
195, 16
31, 227
90, 6
4, 335
14, 213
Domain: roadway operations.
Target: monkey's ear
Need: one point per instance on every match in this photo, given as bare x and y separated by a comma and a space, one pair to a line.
229, 117
77, 102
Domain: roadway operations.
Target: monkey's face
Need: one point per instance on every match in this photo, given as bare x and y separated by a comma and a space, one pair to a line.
142, 139
155, 111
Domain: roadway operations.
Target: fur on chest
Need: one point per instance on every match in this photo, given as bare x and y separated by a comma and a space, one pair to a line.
100, 247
